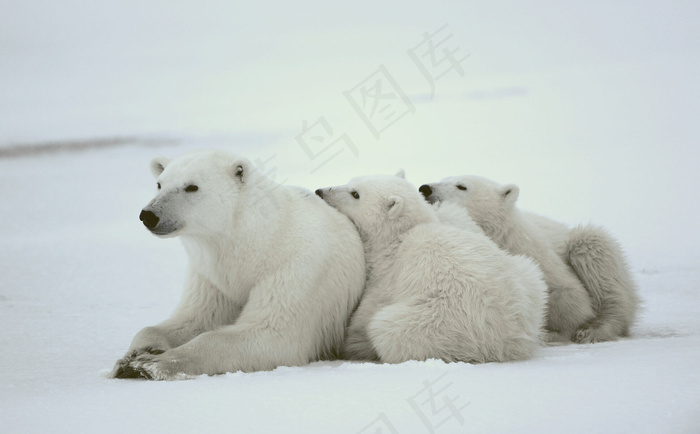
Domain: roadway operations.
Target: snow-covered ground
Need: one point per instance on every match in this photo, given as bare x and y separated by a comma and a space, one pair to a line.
591, 108
80, 276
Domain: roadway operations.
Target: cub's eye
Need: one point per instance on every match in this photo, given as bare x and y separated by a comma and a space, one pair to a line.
191, 188
355, 194
158, 186
461, 187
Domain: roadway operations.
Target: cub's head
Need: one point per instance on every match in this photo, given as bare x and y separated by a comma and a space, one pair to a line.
379, 205
197, 193
485, 200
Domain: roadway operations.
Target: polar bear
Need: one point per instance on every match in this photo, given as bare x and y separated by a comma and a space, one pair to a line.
434, 290
592, 296
455, 215
274, 272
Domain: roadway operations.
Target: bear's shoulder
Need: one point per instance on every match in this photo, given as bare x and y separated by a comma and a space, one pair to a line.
438, 237
455, 215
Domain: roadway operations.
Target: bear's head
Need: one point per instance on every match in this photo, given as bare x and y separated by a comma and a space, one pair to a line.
486, 201
379, 205
197, 193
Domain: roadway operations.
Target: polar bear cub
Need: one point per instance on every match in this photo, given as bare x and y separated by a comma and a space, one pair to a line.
434, 290
592, 296
274, 272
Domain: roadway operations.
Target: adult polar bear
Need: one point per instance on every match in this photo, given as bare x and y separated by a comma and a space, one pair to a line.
274, 272
434, 290
592, 294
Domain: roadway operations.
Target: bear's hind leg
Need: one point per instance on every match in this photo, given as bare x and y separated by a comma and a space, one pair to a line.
398, 334
569, 305
402, 332
598, 260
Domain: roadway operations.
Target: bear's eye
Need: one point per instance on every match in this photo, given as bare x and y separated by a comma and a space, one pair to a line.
355, 194
461, 187
191, 188
158, 184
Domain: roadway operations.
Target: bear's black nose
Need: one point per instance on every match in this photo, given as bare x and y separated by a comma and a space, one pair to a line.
425, 190
149, 219
319, 193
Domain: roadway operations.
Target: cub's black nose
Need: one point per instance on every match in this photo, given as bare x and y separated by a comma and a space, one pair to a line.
319, 193
149, 219
425, 190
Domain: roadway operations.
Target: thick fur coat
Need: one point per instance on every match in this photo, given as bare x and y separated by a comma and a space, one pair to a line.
592, 296
273, 275
434, 290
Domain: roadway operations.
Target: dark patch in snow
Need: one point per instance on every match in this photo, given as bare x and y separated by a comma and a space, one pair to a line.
660, 332
32, 149
500, 93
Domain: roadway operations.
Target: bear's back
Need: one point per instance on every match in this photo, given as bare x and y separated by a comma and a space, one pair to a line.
438, 256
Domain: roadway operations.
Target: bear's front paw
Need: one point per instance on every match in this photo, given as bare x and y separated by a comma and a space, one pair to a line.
165, 366
122, 368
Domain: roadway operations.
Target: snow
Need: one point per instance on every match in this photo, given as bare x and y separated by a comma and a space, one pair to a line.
591, 108
80, 277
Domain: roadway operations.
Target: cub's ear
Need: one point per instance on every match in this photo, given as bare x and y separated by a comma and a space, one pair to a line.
158, 165
395, 206
510, 193
401, 174
240, 170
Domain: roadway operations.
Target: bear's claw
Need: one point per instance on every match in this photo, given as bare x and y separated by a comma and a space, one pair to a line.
124, 367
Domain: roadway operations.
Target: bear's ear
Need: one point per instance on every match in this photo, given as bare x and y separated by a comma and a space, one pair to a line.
240, 170
401, 174
158, 165
510, 193
395, 206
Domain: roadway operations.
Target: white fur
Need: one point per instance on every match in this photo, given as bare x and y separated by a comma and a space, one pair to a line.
455, 215
433, 290
274, 272
592, 296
